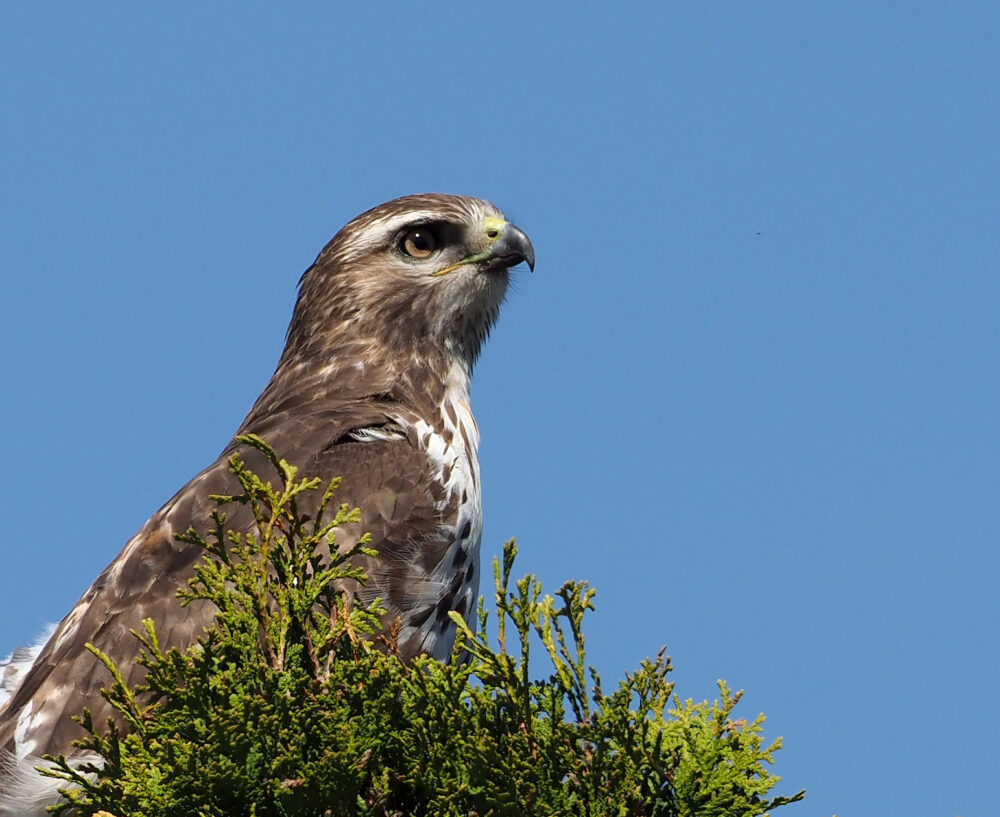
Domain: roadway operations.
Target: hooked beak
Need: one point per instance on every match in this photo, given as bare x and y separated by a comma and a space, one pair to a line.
513, 247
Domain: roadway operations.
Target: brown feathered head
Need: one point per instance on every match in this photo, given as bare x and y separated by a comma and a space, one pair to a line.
428, 270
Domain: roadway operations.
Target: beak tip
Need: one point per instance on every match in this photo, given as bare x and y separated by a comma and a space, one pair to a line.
524, 246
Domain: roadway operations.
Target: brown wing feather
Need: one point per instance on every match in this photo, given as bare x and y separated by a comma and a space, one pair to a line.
390, 479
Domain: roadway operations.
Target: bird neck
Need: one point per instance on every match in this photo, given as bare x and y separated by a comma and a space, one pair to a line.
416, 378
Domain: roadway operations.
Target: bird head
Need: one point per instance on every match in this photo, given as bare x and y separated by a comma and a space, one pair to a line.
420, 272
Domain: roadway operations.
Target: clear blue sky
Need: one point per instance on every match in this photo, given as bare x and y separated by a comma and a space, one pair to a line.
751, 391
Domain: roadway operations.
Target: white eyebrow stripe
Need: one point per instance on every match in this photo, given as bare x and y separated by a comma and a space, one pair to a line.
399, 220
375, 233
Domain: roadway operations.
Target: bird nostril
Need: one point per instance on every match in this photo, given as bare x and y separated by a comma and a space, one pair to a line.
493, 232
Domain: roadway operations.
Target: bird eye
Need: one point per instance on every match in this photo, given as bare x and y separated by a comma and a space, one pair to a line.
419, 243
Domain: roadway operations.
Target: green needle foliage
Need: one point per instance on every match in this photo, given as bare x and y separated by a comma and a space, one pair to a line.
295, 704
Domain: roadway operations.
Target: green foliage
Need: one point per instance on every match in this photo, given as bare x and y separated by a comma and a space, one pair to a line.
294, 703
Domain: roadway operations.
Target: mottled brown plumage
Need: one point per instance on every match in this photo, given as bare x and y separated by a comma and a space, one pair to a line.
372, 386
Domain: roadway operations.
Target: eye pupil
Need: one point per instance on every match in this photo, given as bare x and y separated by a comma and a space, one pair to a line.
419, 243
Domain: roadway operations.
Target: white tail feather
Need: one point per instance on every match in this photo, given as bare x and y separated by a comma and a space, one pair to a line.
26, 792
16, 665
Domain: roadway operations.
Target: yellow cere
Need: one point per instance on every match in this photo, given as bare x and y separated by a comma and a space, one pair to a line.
494, 229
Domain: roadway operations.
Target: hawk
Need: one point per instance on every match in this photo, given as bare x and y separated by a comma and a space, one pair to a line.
372, 386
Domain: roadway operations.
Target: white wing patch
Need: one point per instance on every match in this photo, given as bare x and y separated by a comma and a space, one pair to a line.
370, 434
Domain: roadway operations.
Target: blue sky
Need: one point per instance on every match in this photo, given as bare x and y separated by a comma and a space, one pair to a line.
751, 391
